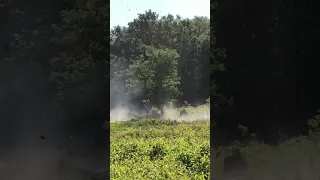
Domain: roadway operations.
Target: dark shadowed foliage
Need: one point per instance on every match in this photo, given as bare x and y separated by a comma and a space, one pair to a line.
51, 90
271, 67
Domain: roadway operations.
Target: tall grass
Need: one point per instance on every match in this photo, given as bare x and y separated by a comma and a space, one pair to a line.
160, 149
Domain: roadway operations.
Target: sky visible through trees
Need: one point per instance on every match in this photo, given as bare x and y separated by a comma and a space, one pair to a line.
124, 11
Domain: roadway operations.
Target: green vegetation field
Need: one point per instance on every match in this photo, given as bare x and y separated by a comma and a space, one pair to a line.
160, 149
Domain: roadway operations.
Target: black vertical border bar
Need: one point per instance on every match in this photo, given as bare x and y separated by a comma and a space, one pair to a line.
211, 93
107, 112
213, 18
105, 98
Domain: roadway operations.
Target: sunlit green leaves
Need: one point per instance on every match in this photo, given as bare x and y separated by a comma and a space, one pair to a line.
157, 72
160, 149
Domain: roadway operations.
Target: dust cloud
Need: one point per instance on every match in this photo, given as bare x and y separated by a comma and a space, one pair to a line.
200, 113
122, 110
120, 114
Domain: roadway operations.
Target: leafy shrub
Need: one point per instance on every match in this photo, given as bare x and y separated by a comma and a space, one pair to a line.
160, 149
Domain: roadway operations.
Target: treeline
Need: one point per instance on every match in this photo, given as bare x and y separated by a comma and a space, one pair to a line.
160, 60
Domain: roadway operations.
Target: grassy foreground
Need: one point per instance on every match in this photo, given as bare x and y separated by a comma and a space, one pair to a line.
160, 149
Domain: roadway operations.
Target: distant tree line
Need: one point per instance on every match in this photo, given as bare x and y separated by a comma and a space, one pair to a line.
161, 59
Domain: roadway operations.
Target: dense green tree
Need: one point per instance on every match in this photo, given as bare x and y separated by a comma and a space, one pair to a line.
156, 74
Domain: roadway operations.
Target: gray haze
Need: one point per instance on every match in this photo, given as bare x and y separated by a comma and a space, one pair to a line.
25, 156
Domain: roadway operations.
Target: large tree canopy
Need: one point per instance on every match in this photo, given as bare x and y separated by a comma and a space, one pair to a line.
165, 58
